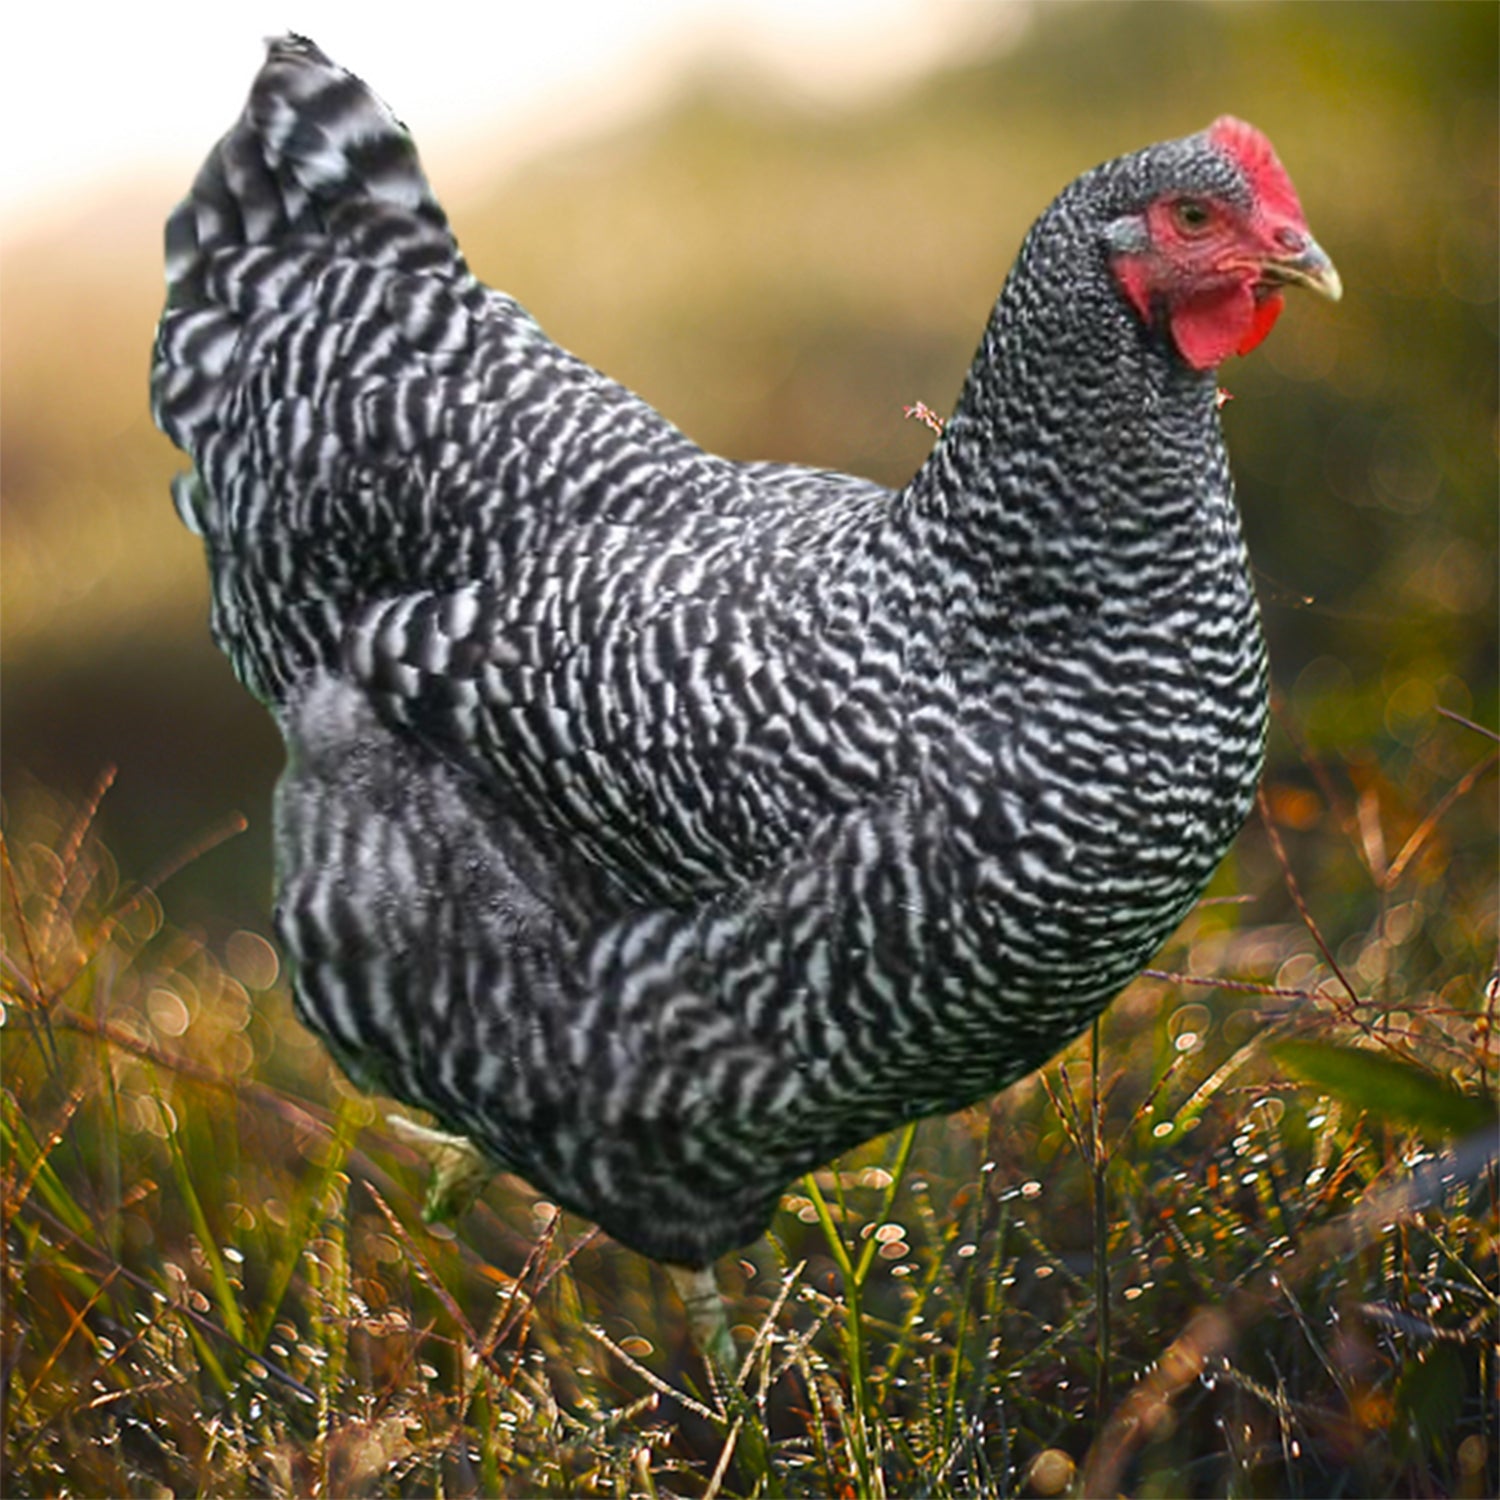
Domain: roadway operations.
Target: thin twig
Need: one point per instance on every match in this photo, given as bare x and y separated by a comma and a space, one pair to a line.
72, 846
1242, 986
1098, 1167
1458, 718
1423, 831
229, 828
1294, 890
435, 1284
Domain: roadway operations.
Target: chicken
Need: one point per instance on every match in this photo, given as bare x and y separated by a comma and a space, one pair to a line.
666, 824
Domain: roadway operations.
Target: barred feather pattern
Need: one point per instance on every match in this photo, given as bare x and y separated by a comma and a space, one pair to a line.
669, 824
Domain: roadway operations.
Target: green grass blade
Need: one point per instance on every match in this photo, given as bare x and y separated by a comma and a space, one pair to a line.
226, 1296
311, 1202
1388, 1087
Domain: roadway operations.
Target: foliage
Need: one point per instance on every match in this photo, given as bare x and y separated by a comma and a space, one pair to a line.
217, 1279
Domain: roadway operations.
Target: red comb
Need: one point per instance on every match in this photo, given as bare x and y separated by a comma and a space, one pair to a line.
1257, 158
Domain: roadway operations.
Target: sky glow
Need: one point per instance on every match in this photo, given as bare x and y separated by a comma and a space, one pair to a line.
91, 99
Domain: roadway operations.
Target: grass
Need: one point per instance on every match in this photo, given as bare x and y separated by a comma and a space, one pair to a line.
1240, 1240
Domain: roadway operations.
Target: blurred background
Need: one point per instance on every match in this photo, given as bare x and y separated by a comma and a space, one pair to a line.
781, 224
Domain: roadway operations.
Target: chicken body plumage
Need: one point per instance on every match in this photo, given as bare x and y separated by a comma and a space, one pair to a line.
669, 824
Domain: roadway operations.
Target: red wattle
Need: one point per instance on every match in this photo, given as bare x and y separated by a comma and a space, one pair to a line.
1267, 310
1211, 326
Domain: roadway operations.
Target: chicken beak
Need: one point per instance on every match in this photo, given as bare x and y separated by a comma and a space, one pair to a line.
1309, 266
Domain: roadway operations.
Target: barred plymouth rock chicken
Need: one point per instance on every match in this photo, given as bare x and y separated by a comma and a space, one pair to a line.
666, 824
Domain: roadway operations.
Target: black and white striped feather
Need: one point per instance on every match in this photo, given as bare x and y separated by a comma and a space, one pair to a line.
665, 823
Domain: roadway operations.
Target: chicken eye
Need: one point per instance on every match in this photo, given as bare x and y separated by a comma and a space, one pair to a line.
1192, 215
